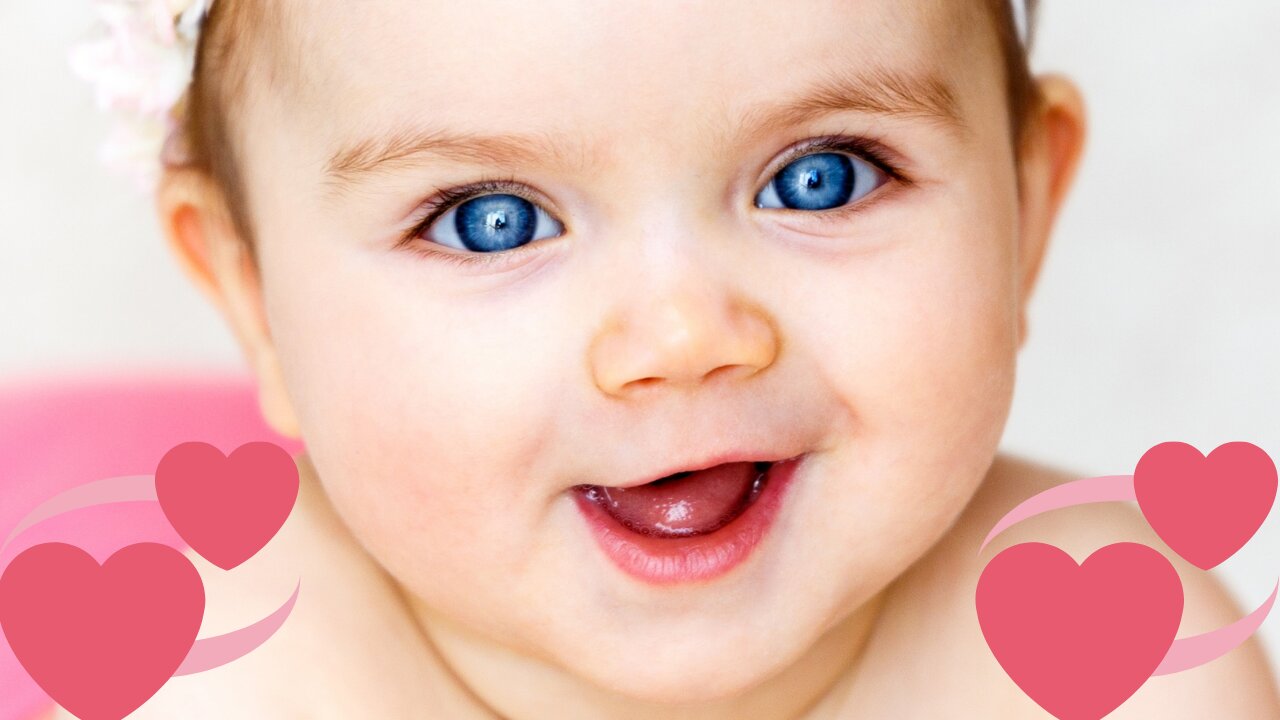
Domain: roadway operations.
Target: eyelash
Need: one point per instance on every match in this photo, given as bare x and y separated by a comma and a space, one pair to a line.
449, 198
869, 149
445, 200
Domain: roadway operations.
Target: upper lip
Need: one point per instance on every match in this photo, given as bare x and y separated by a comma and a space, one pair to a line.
708, 462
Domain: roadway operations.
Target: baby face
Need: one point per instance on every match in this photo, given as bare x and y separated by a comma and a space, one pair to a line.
676, 234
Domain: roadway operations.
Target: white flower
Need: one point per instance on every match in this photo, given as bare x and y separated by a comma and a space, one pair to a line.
133, 148
140, 68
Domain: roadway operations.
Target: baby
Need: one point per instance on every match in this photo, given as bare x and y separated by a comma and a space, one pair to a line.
651, 357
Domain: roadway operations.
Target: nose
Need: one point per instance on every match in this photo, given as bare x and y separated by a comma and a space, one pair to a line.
685, 336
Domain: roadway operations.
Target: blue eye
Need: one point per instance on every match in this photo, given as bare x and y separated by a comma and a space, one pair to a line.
491, 223
821, 181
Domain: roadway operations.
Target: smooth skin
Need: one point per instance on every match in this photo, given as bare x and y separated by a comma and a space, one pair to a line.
447, 409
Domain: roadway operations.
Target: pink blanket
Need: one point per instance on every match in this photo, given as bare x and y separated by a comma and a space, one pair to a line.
57, 433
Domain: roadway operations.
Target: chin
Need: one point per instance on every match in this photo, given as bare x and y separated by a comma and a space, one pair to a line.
681, 667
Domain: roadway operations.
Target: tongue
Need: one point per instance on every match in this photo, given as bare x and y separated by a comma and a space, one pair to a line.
685, 503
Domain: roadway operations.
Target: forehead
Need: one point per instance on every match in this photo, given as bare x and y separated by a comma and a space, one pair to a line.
591, 69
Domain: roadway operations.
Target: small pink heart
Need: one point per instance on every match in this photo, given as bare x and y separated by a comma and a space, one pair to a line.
101, 640
1205, 508
1079, 639
227, 508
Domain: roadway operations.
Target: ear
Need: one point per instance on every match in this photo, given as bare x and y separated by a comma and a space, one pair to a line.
1051, 150
197, 224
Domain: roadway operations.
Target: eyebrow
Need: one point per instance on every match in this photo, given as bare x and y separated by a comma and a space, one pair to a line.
874, 90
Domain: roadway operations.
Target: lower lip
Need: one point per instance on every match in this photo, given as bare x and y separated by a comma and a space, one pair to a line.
666, 561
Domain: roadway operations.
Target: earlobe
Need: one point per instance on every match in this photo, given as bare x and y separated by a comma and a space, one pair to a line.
273, 398
1052, 150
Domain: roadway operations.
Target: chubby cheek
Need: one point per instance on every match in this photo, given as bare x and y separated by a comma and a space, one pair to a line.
423, 419
920, 345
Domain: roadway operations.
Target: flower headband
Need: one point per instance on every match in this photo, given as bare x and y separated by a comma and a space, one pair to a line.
143, 63
140, 68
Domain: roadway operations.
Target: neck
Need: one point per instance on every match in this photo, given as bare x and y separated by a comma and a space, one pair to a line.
514, 686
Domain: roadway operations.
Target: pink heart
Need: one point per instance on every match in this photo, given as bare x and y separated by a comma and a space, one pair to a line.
101, 640
1205, 509
227, 508
1079, 639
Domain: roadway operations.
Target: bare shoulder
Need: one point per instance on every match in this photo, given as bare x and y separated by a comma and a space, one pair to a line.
928, 634
1239, 684
348, 649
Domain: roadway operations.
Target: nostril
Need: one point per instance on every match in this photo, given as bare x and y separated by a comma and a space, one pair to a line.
729, 370
716, 373
644, 382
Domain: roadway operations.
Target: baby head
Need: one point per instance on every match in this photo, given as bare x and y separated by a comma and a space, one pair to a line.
501, 265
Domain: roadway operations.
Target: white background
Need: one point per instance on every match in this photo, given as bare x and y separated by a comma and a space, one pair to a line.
1157, 317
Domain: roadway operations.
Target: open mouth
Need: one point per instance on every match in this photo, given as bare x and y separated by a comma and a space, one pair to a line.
685, 504
691, 525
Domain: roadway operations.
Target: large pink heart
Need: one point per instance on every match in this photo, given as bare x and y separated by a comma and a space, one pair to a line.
1205, 508
227, 508
101, 640
1079, 639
